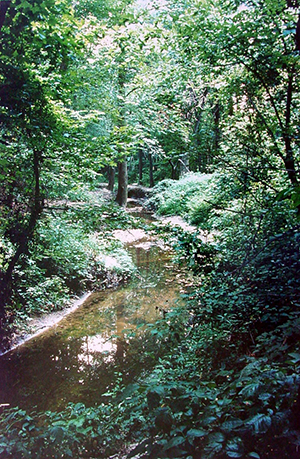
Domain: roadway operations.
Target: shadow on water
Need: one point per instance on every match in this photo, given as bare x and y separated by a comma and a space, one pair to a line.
81, 357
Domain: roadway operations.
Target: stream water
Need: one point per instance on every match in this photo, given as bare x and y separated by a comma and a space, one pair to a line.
80, 358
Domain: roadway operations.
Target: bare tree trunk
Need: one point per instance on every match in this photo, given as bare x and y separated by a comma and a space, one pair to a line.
111, 178
151, 179
140, 153
122, 194
24, 238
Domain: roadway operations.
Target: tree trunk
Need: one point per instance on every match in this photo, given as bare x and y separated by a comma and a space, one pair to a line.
217, 134
173, 170
111, 178
140, 153
3, 8
289, 159
4, 295
122, 194
151, 179
24, 238
297, 37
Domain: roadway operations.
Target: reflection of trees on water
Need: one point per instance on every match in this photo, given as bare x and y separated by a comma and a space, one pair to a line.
150, 260
43, 371
120, 327
143, 258
55, 373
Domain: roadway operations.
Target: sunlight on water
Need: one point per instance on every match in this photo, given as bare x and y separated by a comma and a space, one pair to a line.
96, 345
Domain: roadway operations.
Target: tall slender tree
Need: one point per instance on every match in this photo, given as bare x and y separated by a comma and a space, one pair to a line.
30, 83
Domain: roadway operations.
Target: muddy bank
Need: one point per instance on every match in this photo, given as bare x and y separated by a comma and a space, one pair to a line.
37, 325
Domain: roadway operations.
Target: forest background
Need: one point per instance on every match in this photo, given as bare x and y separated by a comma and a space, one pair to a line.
200, 101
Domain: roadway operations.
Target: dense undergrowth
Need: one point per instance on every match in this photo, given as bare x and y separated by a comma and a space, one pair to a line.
226, 380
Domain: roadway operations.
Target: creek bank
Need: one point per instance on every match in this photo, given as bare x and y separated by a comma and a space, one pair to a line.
80, 358
25, 330
34, 326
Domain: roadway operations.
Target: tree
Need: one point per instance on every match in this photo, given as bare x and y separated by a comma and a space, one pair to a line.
244, 58
39, 42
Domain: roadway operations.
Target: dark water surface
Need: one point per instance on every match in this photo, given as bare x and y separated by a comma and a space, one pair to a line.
78, 359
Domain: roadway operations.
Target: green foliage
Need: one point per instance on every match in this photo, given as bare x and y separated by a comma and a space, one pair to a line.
37, 294
203, 398
210, 87
39, 43
242, 311
105, 10
199, 198
175, 197
73, 251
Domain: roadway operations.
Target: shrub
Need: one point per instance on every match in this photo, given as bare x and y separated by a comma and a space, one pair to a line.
171, 197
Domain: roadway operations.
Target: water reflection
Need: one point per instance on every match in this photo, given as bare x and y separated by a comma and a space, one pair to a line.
94, 346
77, 359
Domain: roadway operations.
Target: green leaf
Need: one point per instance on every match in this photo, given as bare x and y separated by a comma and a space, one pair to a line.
235, 448
260, 423
265, 397
215, 442
208, 420
57, 433
230, 425
289, 32
79, 407
295, 357
234, 454
250, 389
196, 433
78, 422
140, 448
254, 455
176, 441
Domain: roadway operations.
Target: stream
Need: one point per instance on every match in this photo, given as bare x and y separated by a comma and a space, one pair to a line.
81, 357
